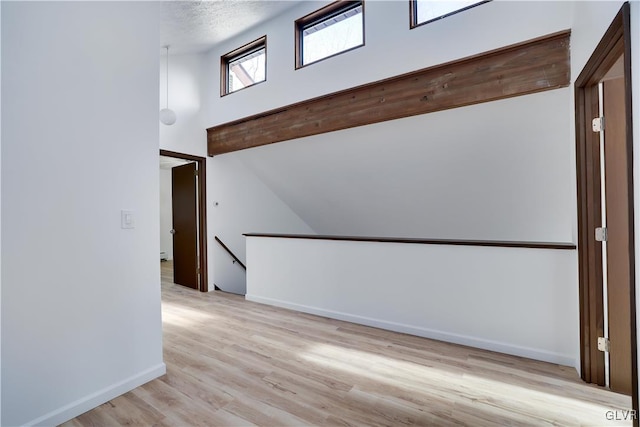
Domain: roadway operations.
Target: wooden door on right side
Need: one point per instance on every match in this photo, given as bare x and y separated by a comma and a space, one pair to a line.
618, 214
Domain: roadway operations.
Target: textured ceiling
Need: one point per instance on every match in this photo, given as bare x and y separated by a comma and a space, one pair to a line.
195, 26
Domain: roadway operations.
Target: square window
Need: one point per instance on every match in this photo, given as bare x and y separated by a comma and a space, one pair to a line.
425, 11
244, 66
334, 29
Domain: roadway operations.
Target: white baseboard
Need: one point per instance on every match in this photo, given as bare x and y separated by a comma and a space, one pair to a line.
501, 347
89, 402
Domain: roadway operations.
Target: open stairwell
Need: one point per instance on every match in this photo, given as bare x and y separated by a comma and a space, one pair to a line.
230, 271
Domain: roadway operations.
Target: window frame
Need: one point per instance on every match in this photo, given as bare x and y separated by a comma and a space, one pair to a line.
322, 14
245, 50
413, 13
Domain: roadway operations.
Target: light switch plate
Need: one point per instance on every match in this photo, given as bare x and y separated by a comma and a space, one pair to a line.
127, 219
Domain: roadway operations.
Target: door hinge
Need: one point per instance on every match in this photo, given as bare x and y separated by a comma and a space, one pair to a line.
604, 344
597, 124
601, 234
195, 172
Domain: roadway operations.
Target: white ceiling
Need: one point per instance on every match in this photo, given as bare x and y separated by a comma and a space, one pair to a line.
195, 26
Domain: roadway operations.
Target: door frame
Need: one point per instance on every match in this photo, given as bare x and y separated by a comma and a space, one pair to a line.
203, 281
615, 42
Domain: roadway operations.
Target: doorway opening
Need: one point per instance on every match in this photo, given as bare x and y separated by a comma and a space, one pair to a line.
606, 247
183, 243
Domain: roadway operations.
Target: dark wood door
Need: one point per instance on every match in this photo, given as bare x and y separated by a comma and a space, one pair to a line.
611, 60
185, 225
617, 178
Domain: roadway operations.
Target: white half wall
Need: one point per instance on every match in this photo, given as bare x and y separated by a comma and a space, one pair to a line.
81, 319
510, 300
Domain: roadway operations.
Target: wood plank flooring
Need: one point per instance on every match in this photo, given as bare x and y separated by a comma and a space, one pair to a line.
235, 363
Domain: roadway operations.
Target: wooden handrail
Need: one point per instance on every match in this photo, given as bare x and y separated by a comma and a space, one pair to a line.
235, 258
455, 242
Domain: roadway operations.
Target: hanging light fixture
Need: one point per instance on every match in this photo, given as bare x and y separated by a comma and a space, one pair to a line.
167, 116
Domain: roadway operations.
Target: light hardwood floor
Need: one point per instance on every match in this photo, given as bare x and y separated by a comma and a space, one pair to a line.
232, 362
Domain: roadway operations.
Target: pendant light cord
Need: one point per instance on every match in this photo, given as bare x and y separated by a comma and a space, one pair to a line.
167, 76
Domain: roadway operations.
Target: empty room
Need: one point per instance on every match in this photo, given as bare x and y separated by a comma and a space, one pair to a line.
405, 212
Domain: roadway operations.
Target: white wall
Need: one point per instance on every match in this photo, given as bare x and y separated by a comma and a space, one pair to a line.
389, 44
326, 185
496, 171
590, 22
245, 204
487, 27
187, 134
240, 203
502, 170
80, 296
516, 301
166, 213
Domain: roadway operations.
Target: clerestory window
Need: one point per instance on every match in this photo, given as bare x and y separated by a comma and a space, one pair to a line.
425, 11
334, 29
244, 67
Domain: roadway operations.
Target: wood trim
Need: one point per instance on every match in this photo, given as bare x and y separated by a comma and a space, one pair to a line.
451, 242
626, 25
533, 66
595, 248
590, 251
616, 41
324, 12
413, 14
230, 252
183, 156
202, 213
604, 56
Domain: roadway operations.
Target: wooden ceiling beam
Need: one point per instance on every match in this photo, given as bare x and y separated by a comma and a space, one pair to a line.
533, 66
